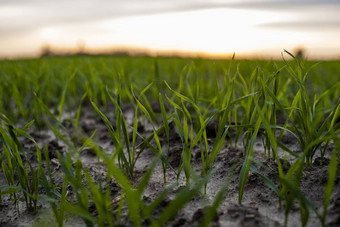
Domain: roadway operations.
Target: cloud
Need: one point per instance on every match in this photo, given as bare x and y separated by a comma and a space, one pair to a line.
286, 4
304, 25
21, 17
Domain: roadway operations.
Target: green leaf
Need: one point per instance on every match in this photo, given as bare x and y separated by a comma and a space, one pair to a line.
165, 119
79, 212
63, 95
9, 189
289, 53
181, 198
298, 194
246, 164
266, 180
332, 173
211, 211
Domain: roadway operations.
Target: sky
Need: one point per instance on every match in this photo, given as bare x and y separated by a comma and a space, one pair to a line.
257, 28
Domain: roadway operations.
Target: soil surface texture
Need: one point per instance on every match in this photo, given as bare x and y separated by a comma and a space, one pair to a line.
260, 204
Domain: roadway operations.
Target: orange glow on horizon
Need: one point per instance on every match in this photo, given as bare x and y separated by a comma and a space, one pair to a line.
215, 32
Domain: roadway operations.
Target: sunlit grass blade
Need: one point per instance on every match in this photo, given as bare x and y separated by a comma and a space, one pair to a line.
113, 134
98, 199
149, 209
332, 172
266, 180
131, 195
63, 95
298, 194
211, 211
182, 198
246, 164
146, 177
9, 189
73, 209
147, 143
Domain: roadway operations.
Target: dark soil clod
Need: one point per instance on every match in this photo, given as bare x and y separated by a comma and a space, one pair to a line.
211, 129
248, 216
175, 156
321, 161
53, 147
179, 222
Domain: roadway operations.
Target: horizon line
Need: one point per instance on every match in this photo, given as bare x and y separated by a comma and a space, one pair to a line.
133, 51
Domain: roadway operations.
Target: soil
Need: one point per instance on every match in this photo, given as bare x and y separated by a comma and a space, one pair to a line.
260, 204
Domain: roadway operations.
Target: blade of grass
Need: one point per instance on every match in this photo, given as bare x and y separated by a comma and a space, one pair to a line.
332, 172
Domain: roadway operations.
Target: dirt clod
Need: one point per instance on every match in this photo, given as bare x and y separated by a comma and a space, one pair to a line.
175, 155
53, 147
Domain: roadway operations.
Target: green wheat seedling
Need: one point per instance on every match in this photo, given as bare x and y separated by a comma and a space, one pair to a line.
166, 125
290, 188
290, 191
78, 114
308, 122
96, 86
72, 169
101, 198
102, 201
156, 137
207, 159
183, 197
65, 161
146, 143
52, 195
150, 116
28, 177
122, 128
72, 177
271, 111
186, 131
8, 163
120, 134
211, 211
246, 106
57, 128
116, 138
63, 96
247, 162
34, 182
233, 106
189, 139
132, 196
332, 172
265, 179
248, 100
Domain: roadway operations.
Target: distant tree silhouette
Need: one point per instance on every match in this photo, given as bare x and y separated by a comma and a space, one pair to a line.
46, 50
300, 52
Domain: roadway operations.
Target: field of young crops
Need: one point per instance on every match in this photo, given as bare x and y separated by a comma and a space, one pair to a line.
106, 141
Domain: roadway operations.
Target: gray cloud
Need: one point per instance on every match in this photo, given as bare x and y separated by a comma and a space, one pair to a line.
65, 12
52, 13
304, 25
88, 9
282, 4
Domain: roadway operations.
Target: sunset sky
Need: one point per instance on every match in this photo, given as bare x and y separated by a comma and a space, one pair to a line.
257, 28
